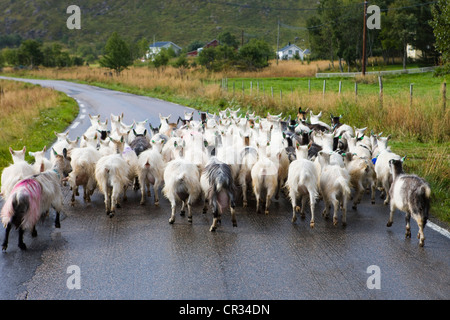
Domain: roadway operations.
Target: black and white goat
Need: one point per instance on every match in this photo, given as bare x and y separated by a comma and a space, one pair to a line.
411, 194
33, 196
218, 186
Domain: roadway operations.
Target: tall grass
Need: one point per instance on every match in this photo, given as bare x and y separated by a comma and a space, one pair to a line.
29, 116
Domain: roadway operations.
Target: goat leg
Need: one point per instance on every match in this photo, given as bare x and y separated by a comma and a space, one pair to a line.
5, 241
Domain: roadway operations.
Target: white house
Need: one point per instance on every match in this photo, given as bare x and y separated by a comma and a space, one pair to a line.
156, 47
288, 52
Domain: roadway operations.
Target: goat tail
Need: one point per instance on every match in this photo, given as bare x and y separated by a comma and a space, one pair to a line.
345, 186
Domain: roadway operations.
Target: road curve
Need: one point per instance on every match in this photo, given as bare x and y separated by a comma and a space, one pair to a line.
139, 255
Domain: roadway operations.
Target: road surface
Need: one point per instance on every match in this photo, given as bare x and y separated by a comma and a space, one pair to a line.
138, 255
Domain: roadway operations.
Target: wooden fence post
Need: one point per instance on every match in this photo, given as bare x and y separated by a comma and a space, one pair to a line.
411, 94
356, 91
444, 95
380, 83
271, 89
324, 87
340, 87
309, 85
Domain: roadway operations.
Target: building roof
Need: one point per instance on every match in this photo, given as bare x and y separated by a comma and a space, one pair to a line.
289, 46
160, 44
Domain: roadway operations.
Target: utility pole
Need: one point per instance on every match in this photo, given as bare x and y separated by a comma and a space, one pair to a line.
242, 38
278, 39
364, 40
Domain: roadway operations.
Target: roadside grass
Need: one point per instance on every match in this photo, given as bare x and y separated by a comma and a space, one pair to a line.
30, 115
421, 129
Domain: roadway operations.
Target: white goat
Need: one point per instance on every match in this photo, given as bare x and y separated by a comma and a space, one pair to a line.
182, 183
83, 162
334, 186
41, 163
15, 172
302, 182
151, 167
111, 173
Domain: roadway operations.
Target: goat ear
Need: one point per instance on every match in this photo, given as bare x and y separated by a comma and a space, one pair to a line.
54, 152
42, 168
11, 150
45, 148
403, 159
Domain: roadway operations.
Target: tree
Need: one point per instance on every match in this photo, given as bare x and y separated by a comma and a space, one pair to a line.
161, 59
117, 54
30, 53
441, 29
228, 39
255, 55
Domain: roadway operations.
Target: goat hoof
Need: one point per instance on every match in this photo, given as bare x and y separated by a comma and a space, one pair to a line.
234, 224
344, 224
373, 202
57, 225
297, 208
389, 224
266, 212
171, 221
72, 204
354, 208
335, 221
34, 233
142, 203
157, 203
244, 204
294, 219
4, 247
212, 229
190, 220
22, 246
118, 204
182, 213
311, 224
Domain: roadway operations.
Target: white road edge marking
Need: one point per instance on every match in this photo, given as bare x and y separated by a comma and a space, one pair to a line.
75, 124
435, 227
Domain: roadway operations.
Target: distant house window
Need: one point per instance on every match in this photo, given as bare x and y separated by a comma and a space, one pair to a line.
290, 51
297, 52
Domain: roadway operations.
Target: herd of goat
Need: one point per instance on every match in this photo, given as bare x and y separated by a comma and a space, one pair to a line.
208, 159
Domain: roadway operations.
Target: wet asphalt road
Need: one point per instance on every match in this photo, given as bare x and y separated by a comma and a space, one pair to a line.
138, 255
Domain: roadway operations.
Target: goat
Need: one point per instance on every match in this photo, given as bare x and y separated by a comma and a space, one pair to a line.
18, 155
15, 172
302, 181
264, 175
41, 163
111, 173
334, 184
182, 183
384, 177
362, 173
411, 194
218, 187
83, 162
315, 120
151, 167
31, 197
140, 142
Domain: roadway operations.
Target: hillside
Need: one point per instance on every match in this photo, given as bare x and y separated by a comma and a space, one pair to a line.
179, 21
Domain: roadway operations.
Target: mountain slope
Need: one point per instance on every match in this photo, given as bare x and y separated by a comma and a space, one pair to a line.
179, 21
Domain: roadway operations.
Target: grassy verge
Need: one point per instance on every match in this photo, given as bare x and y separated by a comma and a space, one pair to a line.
30, 115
